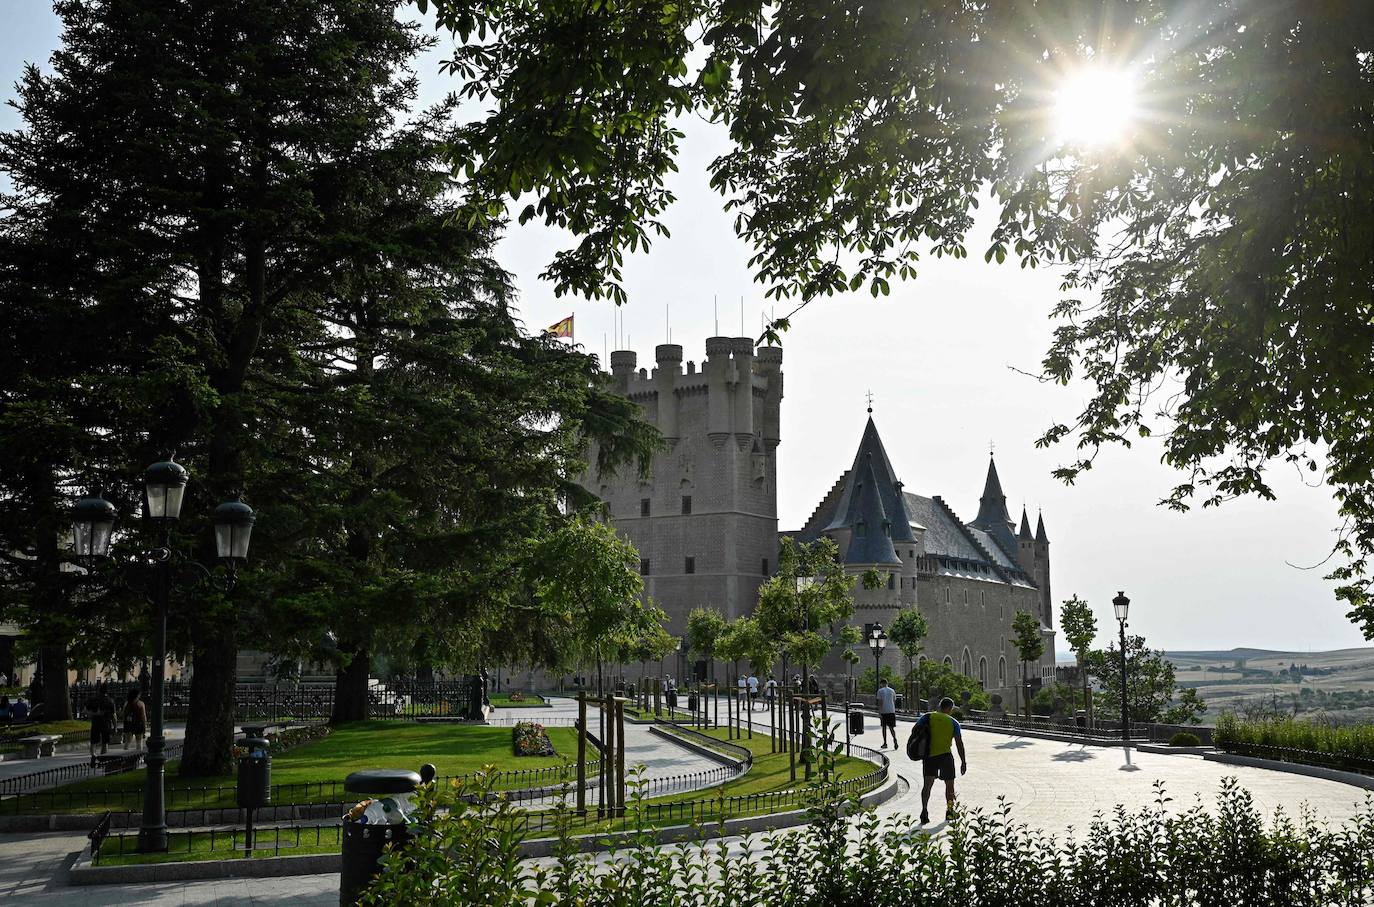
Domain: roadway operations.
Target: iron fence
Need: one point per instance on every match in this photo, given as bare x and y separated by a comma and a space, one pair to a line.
1320, 758
1104, 731
65, 774
266, 840
304, 702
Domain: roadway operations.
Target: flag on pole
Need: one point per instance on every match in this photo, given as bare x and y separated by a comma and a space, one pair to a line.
563, 328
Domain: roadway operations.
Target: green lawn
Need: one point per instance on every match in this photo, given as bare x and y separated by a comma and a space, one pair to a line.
454, 749
222, 846
503, 701
51, 727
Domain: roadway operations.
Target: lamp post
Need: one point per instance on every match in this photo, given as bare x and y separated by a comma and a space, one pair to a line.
1122, 605
802, 583
93, 521
877, 641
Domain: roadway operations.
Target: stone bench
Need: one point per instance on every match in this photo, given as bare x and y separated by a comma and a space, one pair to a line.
39, 745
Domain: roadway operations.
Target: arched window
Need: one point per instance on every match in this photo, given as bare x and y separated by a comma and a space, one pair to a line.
1002, 672
949, 662
966, 665
983, 673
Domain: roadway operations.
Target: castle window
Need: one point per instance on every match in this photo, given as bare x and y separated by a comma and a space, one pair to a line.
983, 595
643, 506
966, 596
689, 565
1001, 672
983, 672
763, 566
947, 595
887, 528
892, 581
686, 504
860, 529
643, 567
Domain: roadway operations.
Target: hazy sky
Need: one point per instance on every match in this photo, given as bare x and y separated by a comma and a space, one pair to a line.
940, 356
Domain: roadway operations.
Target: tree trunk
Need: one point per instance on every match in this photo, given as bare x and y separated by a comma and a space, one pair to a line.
57, 699
350, 689
210, 722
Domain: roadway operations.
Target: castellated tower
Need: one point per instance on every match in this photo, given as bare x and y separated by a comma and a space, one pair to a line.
705, 517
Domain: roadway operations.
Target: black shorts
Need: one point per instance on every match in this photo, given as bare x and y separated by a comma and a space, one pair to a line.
887, 719
941, 766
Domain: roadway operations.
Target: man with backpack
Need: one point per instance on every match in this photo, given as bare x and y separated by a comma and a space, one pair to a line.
931, 741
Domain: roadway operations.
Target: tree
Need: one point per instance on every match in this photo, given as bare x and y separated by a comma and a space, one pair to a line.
862, 136
809, 593
587, 581
705, 626
908, 633
1150, 682
931, 675
1079, 627
744, 640
1029, 644
653, 643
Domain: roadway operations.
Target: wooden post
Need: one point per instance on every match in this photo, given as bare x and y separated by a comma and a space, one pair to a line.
791, 750
608, 756
581, 753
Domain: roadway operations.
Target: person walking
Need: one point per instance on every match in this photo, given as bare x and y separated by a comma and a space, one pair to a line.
135, 720
887, 713
753, 691
19, 711
772, 687
939, 760
100, 708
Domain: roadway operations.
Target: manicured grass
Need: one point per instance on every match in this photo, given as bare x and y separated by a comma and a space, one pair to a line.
47, 727
770, 771
223, 846
454, 749
503, 701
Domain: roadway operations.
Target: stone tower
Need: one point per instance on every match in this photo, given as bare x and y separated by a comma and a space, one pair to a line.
705, 517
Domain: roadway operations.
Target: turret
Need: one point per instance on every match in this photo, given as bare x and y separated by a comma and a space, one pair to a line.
1042, 572
1025, 546
623, 368
769, 365
717, 389
992, 511
669, 359
742, 350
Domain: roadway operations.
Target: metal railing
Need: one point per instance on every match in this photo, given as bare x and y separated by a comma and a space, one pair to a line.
273, 839
216, 797
300, 702
1320, 758
1105, 731
65, 774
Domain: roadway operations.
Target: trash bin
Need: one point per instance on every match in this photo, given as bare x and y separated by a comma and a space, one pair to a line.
672, 699
691, 702
856, 721
253, 786
898, 700
364, 840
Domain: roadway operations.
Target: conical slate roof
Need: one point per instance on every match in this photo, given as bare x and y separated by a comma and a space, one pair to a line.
992, 512
870, 538
889, 490
1025, 533
1040, 535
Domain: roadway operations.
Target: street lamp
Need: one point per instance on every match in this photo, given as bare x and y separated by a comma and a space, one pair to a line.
877, 641
92, 524
1122, 605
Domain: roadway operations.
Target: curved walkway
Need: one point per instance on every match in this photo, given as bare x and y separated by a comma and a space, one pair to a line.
1051, 785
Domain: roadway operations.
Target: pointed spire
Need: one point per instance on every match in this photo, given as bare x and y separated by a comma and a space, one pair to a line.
1040, 535
992, 506
1025, 533
870, 540
871, 456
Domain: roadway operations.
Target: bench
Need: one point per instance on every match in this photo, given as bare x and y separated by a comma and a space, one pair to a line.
39, 745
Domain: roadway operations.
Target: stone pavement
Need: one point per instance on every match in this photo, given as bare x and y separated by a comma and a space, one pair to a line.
1051, 785
13, 768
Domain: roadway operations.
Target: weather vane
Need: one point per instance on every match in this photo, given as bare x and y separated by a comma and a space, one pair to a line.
870, 402
992, 445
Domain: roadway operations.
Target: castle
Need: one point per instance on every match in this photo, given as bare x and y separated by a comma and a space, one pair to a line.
704, 518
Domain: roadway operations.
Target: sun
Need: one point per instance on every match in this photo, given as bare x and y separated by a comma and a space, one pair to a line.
1095, 106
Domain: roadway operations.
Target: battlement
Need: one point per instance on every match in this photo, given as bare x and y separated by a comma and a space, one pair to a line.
763, 361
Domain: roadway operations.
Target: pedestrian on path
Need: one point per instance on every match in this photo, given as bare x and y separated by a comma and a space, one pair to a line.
939, 760
753, 691
101, 710
135, 720
887, 713
772, 690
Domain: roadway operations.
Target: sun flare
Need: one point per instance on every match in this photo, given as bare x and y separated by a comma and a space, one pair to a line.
1095, 106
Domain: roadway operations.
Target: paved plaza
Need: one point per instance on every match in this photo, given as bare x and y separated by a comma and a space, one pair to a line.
1051, 785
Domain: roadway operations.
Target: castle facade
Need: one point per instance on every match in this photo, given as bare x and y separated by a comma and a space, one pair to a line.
704, 519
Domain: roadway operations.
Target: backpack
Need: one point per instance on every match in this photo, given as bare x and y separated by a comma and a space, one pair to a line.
918, 744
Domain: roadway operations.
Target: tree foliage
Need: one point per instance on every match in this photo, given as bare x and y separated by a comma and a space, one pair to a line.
807, 621
908, 632
1218, 275
1150, 685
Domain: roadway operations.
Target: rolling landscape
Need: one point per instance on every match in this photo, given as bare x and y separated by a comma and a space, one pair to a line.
1338, 684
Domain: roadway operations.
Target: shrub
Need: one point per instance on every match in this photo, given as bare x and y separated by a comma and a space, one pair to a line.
1185, 738
1322, 738
1230, 856
530, 739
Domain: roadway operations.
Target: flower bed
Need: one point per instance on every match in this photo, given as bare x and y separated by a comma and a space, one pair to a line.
530, 739
280, 741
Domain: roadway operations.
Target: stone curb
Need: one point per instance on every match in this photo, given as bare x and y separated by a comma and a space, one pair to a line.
83, 873
1354, 779
698, 748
